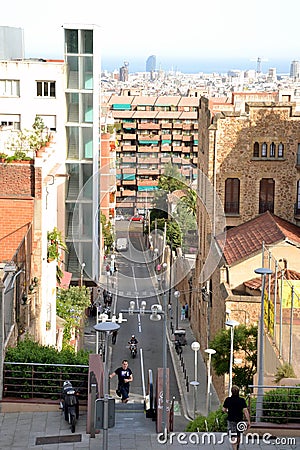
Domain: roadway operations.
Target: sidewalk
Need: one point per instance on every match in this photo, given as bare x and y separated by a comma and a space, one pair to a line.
184, 367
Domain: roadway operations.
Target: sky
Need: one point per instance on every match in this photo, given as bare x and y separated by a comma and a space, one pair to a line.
173, 30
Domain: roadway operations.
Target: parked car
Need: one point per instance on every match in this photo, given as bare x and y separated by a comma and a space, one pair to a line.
137, 219
122, 244
119, 217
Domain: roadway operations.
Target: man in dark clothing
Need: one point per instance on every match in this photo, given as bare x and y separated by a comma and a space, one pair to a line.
236, 408
124, 378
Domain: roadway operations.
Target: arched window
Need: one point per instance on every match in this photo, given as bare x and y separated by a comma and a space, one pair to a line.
280, 150
272, 150
297, 206
232, 196
298, 155
256, 150
266, 195
264, 149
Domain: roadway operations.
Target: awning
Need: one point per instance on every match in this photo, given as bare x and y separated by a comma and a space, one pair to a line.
65, 281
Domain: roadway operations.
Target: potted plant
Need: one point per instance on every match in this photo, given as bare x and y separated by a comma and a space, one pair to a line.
3, 157
55, 245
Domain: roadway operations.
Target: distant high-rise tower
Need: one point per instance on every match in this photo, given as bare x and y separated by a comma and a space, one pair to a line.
11, 43
123, 75
295, 70
151, 64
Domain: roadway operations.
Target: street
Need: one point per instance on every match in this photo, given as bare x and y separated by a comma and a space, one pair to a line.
135, 281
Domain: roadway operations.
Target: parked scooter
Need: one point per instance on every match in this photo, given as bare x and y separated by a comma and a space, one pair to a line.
70, 404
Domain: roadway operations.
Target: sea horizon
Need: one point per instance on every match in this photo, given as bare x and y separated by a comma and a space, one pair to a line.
198, 65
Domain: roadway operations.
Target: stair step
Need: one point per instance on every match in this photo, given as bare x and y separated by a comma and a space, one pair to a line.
132, 407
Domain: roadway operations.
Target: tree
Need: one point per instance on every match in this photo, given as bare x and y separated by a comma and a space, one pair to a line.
170, 181
173, 231
70, 306
245, 344
107, 231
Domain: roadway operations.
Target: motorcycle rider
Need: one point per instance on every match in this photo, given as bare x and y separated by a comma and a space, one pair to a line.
133, 340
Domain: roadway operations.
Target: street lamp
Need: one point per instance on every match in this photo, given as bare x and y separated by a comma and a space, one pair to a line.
112, 264
231, 324
81, 273
176, 295
210, 352
106, 327
195, 346
259, 401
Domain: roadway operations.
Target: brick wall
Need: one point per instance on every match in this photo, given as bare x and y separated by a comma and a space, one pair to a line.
20, 184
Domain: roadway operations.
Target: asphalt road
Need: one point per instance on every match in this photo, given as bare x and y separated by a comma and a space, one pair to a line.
134, 281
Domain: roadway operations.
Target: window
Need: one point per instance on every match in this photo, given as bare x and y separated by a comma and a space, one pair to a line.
232, 196
9, 88
272, 150
297, 206
266, 195
298, 155
280, 150
10, 120
264, 149
256, 150
45, 88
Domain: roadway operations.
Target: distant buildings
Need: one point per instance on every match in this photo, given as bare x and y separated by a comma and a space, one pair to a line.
295, 70
123, 73
151, 64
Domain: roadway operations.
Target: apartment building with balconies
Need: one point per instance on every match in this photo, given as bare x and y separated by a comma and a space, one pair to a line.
152, 131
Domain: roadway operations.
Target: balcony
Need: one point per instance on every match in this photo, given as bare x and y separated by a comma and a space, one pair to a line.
128, 159
128, 136
149, 149
177, 125
148, 138
129, 125
128, 182
177, 137
149, 126
147, 182
166, 125
187, 138
126, 148
148, 160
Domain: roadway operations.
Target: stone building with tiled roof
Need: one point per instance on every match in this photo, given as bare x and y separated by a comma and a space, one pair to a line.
249, 186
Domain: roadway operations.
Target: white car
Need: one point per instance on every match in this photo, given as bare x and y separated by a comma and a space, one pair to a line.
119, 217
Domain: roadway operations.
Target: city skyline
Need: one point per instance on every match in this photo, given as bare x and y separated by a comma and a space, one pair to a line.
199, 31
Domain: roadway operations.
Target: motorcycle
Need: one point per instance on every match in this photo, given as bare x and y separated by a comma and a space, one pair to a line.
70, 404
133, 350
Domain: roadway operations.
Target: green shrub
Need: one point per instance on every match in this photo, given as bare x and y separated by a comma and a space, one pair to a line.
284, 371
281, 405
216, 421
41, 380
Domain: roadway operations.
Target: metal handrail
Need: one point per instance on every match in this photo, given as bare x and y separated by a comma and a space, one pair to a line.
25, 380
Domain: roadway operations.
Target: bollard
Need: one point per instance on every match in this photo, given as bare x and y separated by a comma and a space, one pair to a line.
187, 384
184, 373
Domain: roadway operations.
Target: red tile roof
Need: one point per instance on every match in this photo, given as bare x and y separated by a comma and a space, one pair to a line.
246, 239
256, 283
